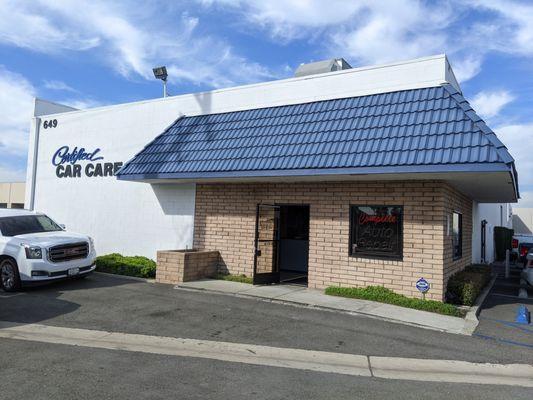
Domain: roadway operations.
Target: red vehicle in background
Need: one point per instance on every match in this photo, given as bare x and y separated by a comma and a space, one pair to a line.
521, 245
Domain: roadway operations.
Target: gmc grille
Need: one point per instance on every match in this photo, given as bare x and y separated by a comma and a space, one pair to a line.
67, 252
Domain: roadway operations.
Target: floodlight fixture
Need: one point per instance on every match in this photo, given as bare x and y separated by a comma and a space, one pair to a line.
161, 73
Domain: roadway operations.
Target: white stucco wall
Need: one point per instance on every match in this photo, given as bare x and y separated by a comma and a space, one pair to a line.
126, 217
496, 214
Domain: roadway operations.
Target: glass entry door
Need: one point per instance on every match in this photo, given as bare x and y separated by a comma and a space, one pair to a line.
266, 269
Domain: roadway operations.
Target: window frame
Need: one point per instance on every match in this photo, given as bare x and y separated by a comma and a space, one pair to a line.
370, 254
459, 246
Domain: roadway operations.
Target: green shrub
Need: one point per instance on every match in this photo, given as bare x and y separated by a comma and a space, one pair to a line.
234, 278
464, 286
115, 263
384, 295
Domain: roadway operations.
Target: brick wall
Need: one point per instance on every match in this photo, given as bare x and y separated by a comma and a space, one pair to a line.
225, 221
457, 202
176, 266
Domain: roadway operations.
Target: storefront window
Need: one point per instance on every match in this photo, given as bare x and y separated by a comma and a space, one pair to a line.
457, 235
376, 231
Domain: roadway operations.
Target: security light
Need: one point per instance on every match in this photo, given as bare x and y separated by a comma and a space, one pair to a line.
161, 73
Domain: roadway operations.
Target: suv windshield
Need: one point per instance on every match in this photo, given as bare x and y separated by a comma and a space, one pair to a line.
20, 225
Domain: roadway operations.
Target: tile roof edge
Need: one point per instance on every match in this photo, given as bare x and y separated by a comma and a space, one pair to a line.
501, 149
119, 172
480, 124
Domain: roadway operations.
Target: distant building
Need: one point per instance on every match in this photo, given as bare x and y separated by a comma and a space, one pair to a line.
523, 220
12, 194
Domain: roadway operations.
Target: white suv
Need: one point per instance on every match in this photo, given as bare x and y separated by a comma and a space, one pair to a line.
35, 249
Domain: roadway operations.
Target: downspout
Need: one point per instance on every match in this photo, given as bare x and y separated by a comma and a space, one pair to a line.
34, 166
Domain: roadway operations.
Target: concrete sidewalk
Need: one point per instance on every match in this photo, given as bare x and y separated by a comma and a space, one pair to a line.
302, 296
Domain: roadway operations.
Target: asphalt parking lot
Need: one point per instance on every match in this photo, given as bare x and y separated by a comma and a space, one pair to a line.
498, 314
112, 303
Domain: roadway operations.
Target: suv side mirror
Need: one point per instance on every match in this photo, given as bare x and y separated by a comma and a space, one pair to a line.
62, 226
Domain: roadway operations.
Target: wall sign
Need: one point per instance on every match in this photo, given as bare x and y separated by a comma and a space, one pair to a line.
68, 163
49, 124
376, 231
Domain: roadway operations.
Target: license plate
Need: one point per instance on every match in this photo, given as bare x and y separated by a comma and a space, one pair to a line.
73, 271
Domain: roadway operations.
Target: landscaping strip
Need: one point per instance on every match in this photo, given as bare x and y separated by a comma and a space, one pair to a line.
234, 278
384, 295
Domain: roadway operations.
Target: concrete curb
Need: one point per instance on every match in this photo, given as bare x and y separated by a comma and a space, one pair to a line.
369, 366
326, 308
471, 320
131, 278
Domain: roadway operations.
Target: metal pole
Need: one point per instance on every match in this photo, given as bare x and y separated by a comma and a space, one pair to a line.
507, 266
164, 88
35, 155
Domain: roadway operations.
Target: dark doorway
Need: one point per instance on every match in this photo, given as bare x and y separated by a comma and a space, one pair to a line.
293, 243
281, 244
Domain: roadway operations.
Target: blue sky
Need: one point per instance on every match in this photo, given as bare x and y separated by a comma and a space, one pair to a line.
90, 53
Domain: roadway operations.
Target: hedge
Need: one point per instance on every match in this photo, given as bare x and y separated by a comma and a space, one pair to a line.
465, 286
384, 295
115, 263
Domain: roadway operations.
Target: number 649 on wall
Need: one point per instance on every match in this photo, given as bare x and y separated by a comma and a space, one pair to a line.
50, 124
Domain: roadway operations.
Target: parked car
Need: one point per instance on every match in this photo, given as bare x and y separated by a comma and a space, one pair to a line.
529, 267
34, 249
521, 244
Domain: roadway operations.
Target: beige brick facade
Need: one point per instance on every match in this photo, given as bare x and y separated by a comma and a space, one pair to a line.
225, 221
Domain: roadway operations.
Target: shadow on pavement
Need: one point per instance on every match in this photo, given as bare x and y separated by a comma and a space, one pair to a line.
40, 303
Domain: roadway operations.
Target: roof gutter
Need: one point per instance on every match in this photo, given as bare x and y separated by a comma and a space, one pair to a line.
191, 176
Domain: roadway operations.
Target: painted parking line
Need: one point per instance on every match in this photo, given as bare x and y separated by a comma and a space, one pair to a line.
320, 361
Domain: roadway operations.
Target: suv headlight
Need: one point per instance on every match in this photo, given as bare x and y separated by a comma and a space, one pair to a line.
91, 244
33, 252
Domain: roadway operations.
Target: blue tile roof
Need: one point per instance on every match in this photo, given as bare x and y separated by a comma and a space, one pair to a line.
431, 129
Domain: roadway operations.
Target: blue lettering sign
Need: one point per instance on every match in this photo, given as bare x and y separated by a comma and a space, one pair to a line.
63, 155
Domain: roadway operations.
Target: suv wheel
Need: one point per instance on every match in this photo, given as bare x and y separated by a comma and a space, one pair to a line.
9, 275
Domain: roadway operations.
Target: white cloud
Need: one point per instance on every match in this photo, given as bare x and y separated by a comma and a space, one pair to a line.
24, 25
369, 31
292, 19
488, 104
16, 103
468, 67
59, 86
512, 29
376, 31
129, 39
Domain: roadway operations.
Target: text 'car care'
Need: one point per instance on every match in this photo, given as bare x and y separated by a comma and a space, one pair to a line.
67, 163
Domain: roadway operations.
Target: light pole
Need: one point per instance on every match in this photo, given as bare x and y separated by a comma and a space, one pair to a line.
161, 73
